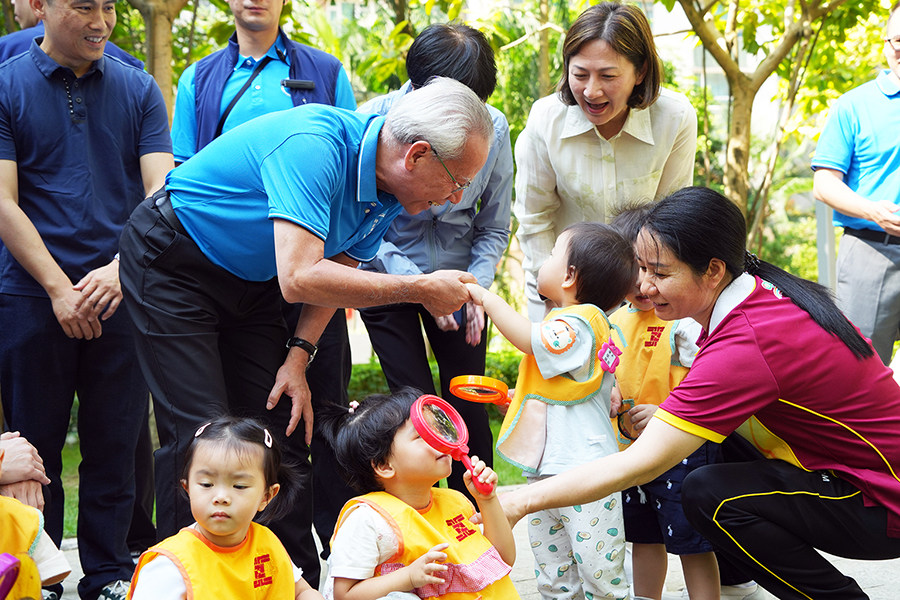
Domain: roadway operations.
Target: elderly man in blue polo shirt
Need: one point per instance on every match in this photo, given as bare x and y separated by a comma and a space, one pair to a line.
857, 173
259, 72
288, 203
83, 139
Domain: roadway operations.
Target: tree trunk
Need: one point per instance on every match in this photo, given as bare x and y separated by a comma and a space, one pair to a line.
544, 50
401, 14
737, 150
158, 18
8, 21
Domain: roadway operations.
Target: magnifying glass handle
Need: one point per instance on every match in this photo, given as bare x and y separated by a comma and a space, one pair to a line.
482, 486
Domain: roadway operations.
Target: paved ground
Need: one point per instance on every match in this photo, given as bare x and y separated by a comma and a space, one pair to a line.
880, 579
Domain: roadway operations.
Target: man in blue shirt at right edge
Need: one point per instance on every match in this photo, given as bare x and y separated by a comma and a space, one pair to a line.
857, 173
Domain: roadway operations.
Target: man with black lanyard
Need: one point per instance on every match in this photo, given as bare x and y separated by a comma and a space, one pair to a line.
262, 71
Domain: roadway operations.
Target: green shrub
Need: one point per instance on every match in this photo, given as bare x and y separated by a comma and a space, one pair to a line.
367, 379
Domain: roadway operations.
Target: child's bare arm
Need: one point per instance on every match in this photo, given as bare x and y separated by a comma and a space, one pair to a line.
422, 571
496, 526
615, 402
514, 327
304, 591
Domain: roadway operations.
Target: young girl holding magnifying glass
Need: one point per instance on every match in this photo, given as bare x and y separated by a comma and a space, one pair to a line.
558, 416
404, 538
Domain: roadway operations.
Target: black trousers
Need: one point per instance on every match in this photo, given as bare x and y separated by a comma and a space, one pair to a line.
328, 378
209, 343
771, 516
396, 335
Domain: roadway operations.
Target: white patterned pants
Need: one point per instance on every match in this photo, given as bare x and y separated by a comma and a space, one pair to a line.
579, 551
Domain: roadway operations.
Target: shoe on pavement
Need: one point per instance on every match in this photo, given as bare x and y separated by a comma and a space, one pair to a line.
737, 592
751, 592
115, 590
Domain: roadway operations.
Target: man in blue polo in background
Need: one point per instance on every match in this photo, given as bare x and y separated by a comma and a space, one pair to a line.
142, 534
244, 80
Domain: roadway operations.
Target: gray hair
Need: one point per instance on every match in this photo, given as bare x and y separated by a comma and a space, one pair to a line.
444, 113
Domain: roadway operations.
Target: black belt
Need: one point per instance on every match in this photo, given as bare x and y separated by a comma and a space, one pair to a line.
872, 236
161, 201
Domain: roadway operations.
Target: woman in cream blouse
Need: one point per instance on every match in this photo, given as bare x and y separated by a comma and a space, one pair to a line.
611, 135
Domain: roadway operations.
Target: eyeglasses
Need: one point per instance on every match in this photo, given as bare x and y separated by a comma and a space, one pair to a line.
459, 186
894, 42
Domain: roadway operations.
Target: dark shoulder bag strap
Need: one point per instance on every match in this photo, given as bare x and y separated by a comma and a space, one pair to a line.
259, 67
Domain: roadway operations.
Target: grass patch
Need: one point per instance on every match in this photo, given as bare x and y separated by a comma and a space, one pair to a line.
71, 458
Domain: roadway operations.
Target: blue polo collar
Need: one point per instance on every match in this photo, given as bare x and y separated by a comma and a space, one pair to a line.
47, 66
366, 186
887, 83
277, 51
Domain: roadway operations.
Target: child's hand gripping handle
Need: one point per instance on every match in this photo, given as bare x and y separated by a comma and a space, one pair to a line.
482, 486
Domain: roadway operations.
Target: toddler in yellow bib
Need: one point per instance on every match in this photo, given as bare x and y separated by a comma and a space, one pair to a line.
232, 472
558, 417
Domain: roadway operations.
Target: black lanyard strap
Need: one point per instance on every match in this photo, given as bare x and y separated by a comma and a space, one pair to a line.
259, 67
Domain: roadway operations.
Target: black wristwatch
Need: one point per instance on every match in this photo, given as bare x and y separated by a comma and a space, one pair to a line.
310, 348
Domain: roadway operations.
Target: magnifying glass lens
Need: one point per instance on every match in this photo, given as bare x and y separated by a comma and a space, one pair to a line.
477, 391
440, 424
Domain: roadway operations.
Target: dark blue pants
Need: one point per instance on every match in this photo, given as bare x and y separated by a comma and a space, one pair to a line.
770, 517
396, 334
209, 343
41, 370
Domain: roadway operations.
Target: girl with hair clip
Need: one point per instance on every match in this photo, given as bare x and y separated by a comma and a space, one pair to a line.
405, 539
781, 365
610, 134
232, 472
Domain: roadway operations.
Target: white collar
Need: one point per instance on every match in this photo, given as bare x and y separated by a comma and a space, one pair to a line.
637, 124
734, 293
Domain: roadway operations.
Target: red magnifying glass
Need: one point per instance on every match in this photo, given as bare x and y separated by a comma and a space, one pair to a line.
9, 571
478, 388
443, 429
